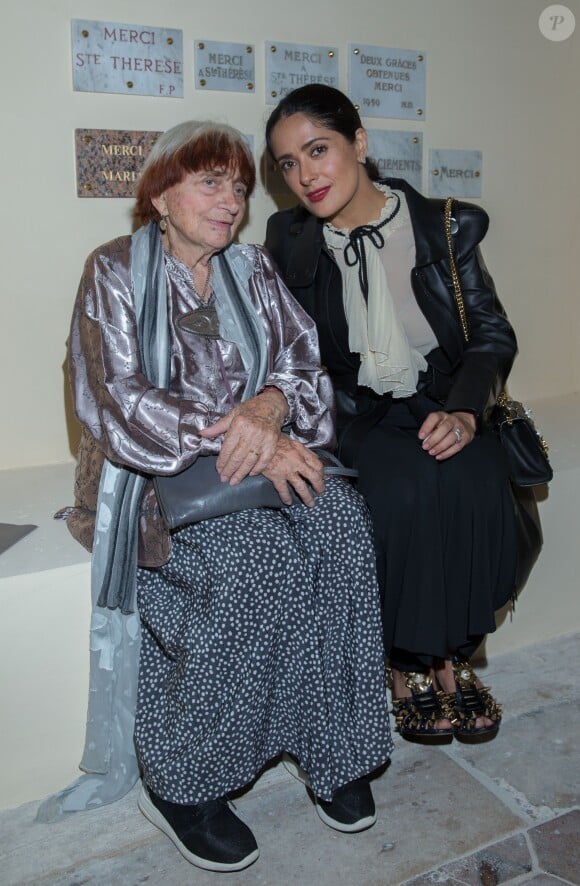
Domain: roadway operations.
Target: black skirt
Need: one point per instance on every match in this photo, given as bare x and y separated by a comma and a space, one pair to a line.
445, 536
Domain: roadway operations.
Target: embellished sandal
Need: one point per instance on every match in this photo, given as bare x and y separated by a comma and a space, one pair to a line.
417, 715
468, 703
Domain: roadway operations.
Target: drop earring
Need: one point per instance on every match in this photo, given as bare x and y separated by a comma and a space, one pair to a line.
163, 224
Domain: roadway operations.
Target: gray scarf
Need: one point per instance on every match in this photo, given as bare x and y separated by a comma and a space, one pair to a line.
109, 759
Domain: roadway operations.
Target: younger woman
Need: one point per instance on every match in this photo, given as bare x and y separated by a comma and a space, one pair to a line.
369, 261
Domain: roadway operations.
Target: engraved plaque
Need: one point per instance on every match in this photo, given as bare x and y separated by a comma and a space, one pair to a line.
290, 65
398, 154
131, 59
108, 161
455, 173
387, 82
226, 66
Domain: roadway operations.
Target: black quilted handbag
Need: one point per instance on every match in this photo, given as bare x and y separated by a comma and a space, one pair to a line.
525, 448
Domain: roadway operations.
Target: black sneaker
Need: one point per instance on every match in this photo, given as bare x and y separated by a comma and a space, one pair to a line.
208, 835
351, 809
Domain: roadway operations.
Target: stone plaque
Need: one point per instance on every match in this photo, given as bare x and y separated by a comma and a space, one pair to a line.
108, 161
226, 66
289, 65
398, 154
454, 173
131, 59
387, 82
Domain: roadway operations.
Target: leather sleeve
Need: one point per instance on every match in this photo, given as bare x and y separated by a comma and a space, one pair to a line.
485, 360
278, 240
491, 349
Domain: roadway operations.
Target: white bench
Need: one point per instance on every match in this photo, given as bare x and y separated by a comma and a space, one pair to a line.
45, 608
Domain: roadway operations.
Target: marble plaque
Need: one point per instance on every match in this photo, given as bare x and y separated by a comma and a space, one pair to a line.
387, 82
108, 161
226, 66
131, 59
398, 154
455, 173
289, 65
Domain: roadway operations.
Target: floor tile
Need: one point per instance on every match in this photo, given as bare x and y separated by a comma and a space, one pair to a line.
460, 815
546, 880
557, 844
531, 754
496, 864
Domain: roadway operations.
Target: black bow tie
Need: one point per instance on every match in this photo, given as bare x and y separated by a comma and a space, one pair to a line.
354, 251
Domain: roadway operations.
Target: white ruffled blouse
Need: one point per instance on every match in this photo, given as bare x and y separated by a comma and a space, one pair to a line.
390, 333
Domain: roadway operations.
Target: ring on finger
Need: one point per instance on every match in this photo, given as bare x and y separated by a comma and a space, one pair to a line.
458, 434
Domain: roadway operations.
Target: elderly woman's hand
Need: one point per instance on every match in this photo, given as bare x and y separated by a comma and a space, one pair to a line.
298, 466
446, 433
252, 431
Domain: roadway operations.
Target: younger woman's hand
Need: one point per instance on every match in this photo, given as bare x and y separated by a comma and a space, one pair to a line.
444, 434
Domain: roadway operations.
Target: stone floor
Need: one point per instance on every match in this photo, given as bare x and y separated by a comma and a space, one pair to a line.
503, 812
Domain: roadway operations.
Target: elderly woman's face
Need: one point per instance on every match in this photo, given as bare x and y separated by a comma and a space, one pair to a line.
203, 211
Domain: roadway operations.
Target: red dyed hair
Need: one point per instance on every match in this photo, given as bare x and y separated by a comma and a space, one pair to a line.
191, 147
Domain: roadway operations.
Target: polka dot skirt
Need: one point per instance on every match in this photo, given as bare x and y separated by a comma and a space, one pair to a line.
262, 634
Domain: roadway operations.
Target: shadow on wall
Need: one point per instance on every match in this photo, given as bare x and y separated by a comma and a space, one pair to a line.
273, 183
537, 495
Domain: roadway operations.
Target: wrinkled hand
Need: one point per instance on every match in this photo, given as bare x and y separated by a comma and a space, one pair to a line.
438, 433
252, 431
298, 466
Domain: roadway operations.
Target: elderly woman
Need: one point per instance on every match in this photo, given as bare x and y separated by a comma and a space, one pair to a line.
260, 630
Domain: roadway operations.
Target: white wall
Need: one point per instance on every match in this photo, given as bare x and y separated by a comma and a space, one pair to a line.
493, 83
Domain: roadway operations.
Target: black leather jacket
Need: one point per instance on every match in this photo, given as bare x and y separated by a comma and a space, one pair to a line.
462, 375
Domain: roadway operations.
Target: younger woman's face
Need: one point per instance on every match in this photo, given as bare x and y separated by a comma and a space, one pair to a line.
321, 167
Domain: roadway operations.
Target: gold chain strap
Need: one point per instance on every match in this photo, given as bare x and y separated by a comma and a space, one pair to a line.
513, 409
453, 266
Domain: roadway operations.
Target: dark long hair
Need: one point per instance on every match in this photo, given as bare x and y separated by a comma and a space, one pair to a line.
325, 105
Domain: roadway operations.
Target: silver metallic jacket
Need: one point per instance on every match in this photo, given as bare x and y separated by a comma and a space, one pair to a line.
154, 431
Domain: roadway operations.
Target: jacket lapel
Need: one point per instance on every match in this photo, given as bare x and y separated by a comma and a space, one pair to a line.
307, 244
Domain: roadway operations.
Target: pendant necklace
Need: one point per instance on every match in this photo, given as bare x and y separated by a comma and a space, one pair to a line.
202, 320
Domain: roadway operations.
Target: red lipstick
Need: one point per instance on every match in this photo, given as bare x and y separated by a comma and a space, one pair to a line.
318, 195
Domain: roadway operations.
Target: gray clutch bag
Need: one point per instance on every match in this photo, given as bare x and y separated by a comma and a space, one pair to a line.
197, 493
